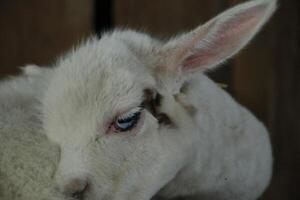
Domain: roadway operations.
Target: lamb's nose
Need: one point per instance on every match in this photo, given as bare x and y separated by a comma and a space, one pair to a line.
76, 188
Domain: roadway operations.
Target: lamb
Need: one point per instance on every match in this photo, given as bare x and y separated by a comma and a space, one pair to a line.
137, 118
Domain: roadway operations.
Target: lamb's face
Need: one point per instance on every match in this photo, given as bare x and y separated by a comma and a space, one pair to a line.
95, 110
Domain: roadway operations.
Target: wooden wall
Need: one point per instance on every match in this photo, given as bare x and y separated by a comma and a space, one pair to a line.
285, 120
37, 31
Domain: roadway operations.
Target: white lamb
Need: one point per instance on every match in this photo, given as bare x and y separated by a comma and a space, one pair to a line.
136, 117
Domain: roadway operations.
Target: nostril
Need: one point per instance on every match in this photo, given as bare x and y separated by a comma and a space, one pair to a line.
80, 193
76, 188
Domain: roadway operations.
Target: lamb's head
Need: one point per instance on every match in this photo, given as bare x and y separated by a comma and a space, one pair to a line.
111, 106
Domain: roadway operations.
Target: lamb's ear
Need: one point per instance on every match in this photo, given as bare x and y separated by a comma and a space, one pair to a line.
214, 42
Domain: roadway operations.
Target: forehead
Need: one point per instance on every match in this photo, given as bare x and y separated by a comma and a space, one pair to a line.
100, 78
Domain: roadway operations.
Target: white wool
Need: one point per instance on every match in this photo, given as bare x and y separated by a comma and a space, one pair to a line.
27, 159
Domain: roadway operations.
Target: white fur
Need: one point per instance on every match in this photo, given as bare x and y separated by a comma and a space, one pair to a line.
27, 159
219, 151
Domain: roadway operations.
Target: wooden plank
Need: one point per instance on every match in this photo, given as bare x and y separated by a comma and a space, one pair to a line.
35, 31
164, 17
286, 94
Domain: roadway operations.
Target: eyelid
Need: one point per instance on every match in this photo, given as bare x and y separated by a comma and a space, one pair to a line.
110, 126
129, 113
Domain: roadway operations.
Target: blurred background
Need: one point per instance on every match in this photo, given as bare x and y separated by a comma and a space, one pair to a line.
265, 77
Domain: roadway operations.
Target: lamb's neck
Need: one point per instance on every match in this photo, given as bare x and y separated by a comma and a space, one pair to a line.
217, 113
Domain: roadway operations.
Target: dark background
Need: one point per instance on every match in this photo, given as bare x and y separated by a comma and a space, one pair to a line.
265, 77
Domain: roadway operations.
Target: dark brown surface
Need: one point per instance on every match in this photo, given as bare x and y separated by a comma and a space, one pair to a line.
37, 31
285, 124
164, 17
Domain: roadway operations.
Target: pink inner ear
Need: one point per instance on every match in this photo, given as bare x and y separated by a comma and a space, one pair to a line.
229, 37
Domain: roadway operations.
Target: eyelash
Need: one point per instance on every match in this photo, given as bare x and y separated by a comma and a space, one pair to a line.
129, 120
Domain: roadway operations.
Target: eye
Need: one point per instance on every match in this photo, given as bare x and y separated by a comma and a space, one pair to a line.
127, 121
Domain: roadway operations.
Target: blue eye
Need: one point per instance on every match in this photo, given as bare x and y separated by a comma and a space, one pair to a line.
128, 120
